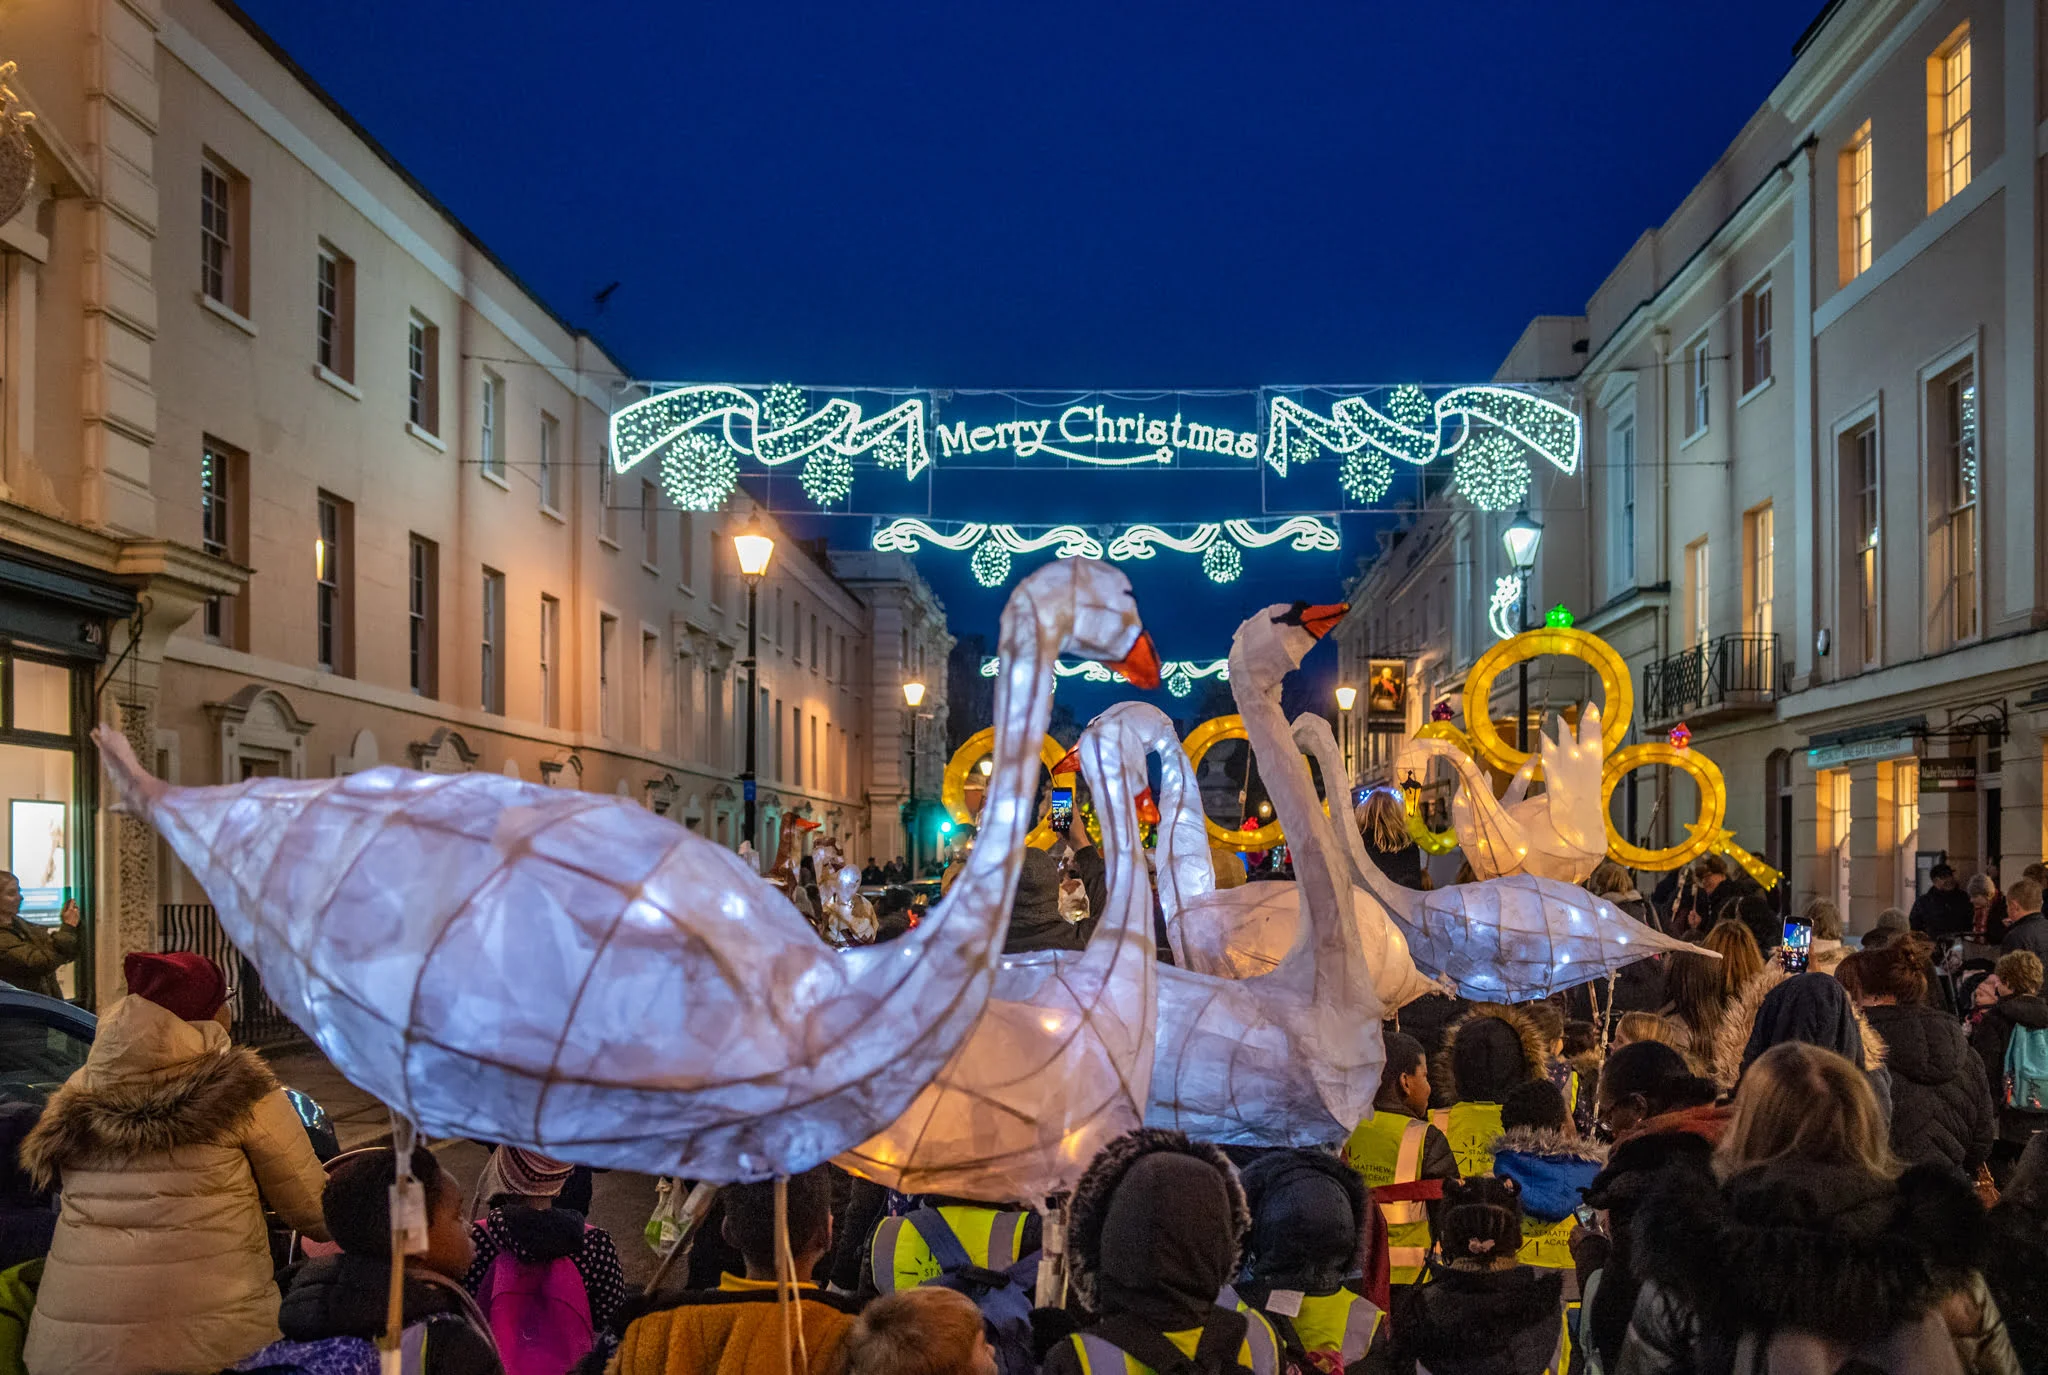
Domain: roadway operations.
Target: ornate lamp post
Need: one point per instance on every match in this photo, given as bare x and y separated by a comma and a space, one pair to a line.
913, 698
754, 548
1522, 538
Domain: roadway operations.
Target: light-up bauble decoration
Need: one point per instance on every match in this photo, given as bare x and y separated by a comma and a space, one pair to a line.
1617, 689
827, 476
1443, 711
1222, 563
1178, 682
1365, 476
990, 563
1491, 470
1681, 736
699, 471
1559, 617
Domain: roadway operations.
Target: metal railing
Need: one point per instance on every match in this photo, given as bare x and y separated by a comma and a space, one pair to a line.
1736, 672
195, 926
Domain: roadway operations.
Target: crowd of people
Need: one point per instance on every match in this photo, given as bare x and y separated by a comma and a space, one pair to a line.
1814, 1158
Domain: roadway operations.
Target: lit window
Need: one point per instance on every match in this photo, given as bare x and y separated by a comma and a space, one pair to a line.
1698, 603
1863, 517
1956, 481
1760, 534
1948, 119
1854, 181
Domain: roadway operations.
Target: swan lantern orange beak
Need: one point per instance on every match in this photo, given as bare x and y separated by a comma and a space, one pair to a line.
1321, 620
1141, 665
1070, 762
1148, 810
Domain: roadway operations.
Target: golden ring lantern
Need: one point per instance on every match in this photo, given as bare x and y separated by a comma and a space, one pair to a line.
1200, 741
1617, 710
1704, 833
953, 789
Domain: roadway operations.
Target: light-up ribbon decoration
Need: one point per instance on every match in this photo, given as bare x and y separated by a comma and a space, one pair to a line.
1506, 592
1412, 429
1178, 674
1217, 541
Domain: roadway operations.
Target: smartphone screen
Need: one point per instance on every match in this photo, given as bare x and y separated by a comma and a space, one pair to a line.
1798, 945
1062, 809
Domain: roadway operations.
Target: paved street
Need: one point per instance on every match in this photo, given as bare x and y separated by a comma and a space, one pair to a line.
620, 1202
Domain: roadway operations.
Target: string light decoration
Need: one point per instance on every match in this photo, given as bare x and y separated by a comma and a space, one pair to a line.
1491, 470
699, 471
1179, 684
990, 563
1304, 534
1222, 563
1365, 476
1087, 669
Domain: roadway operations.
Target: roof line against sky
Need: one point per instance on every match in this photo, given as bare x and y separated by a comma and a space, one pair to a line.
339, 111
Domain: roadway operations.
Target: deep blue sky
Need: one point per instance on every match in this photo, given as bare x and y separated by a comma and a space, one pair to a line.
1057, 194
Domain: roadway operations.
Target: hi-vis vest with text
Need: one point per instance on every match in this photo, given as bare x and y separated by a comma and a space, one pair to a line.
1387, 1149
901, 1258
1471, 1128
1340, 1324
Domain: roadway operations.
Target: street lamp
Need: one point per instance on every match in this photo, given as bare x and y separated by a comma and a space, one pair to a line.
987, 767
1347, 696
913, 697
754, 547
1521, 539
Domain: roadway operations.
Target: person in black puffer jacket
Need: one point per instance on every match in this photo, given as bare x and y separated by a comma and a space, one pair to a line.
1941, 1101
1482, 1312
1805, 1248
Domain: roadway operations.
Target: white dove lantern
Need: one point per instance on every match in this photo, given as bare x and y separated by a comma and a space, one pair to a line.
573, 974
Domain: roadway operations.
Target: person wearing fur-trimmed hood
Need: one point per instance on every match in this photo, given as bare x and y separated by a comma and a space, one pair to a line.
1153, 1238
1542, 1152
1487, 1054
166, 1145
1308, 1237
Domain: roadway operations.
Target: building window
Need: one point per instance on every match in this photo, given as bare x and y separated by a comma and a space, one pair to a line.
550, 445
1948, 119
607, 674
796, 745
423, 619
334, 312
422, 374
1621, 541
607, 498
333, 577
650, 690
1756, 335
550, 657
491, 644
1698, 603
650, 526
1853, 179
796, 631
491, 425
1698, 391
1759, 536
686, 550
1953, 480
223, 529
223, 235
1862, 520
814, 643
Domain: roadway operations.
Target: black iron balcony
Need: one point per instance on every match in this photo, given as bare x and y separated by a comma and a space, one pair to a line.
1732, 673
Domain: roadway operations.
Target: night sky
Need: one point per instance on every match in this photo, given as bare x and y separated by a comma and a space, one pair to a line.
1057, 195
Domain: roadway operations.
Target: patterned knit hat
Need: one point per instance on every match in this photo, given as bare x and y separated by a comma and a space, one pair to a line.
528, 1173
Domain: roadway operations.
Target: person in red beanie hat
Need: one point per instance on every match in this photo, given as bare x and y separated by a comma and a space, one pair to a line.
166, 1146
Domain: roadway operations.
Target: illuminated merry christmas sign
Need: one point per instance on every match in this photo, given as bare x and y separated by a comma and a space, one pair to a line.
702, 434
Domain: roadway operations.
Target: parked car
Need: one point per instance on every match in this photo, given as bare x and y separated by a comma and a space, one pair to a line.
43, 1040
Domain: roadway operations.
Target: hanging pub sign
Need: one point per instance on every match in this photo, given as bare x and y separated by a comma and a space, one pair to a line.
1386, 695
1948, 775
703, 435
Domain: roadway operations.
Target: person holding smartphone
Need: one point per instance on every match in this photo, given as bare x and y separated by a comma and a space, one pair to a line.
31, 955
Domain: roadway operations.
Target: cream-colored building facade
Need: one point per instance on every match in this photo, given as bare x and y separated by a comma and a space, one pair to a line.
299, 479
1809, 509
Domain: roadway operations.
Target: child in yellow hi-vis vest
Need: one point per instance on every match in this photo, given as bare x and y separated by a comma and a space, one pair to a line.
1307, 1244
1487, 1053
1541, 1151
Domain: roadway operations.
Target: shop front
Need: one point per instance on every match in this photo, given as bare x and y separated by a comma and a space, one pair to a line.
55, 620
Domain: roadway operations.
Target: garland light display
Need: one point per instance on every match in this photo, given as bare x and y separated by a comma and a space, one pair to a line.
1178, 674
1493, 434
1220, 543
1506, 592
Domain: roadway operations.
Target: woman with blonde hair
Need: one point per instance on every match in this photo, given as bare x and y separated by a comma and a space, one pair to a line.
1828, 951
1806, 1245
1383, 824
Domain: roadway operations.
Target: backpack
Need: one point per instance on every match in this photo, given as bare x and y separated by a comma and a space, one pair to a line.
2026, 1069
335, 1356
539, 1311
999, 1294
